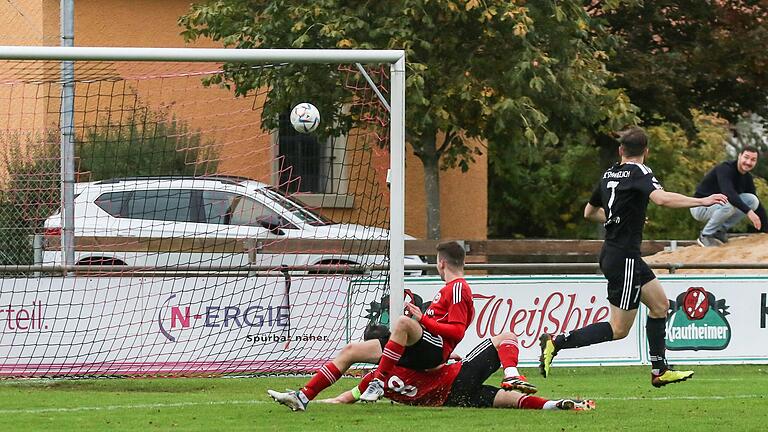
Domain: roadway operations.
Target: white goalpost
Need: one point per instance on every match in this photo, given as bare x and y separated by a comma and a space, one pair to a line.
152, 224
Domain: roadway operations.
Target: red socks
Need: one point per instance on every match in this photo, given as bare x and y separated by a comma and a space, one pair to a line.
389, 358
531, 402
508, 352
324, 378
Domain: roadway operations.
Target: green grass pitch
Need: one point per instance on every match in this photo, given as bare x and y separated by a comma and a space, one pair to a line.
718, 398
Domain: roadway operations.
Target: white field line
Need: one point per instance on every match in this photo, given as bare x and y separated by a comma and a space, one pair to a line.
128, 407
257, 402
724, 379
669, 398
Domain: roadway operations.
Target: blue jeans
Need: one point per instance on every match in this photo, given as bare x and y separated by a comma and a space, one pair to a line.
722, 217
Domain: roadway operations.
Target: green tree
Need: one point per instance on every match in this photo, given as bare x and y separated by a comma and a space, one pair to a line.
145, 144
29, 194
521, 75
544, 197
536, 189
675, 59
707, 55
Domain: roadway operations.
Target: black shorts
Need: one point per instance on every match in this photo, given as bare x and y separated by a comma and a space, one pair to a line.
468, 389
426, 353
626, 274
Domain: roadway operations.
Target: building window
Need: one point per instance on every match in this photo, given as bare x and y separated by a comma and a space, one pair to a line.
307, 165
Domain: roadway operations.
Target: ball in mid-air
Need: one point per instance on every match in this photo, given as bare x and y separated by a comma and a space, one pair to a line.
305, 118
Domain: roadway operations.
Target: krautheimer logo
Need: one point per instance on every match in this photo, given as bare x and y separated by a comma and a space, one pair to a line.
697, 322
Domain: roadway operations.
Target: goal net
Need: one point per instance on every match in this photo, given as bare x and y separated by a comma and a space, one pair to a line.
160, 216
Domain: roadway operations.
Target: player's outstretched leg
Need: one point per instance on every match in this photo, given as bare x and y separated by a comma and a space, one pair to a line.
512, 399
289, 398
670, 376
576, 405
548, 353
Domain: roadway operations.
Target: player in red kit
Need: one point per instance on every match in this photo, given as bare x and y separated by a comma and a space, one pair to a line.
425, 341
452, 311
461, 384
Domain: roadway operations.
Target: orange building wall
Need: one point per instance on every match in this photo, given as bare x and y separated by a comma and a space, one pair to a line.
151, 23
463, 200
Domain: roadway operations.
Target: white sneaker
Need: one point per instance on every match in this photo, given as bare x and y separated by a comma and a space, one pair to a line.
374, 391
576, 405
290, 398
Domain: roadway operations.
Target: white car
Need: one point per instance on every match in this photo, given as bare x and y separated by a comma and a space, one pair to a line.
195, 217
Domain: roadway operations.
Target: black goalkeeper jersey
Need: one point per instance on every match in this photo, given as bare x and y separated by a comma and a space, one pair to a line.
623, 193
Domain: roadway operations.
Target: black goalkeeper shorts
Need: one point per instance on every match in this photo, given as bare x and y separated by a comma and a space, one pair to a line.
468, 389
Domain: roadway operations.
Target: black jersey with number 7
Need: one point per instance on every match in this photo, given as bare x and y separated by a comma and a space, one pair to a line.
623, 193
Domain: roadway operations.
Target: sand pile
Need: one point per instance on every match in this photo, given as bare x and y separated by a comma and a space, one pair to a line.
752, 248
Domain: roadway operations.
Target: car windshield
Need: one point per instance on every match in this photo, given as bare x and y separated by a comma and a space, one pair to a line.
296, 208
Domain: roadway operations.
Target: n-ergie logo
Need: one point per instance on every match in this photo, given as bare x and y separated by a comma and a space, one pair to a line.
220, 316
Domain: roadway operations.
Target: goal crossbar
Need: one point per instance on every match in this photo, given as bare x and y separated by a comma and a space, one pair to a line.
200, 54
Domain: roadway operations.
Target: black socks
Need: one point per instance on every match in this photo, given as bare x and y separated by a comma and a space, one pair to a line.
592, 334
655, 329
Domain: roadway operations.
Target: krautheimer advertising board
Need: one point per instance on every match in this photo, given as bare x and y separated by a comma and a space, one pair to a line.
713, 319
129, 326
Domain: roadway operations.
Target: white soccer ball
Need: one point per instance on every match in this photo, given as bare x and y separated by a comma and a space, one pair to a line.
305, 117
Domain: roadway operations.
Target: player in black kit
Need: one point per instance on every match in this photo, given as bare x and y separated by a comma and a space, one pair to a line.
619, 201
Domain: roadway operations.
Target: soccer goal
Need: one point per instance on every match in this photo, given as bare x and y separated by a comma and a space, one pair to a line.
160, 215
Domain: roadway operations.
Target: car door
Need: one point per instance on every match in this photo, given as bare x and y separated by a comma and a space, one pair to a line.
230, 216
153, 214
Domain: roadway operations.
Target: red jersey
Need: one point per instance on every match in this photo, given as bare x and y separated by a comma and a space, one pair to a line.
450, 314
413, 387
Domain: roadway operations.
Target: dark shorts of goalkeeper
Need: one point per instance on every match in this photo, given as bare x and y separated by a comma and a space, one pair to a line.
468, 389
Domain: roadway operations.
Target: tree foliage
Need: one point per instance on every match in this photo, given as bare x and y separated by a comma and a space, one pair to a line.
707, 55
521, 75
29, 194
541, 82
677, 60
147, 143
541, 205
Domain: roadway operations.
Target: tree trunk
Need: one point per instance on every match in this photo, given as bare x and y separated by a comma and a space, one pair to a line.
430, 159
432, 189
